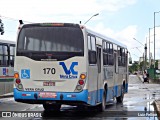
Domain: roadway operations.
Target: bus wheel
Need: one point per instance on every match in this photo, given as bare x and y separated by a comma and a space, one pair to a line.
52, 107
120, 98
103, 104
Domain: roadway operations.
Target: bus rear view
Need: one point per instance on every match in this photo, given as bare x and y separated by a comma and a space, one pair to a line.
50, 67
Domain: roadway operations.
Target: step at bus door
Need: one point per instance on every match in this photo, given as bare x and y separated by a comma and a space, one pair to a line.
99, 72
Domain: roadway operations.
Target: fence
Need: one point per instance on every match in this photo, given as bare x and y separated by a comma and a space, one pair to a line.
154, 73
6, 87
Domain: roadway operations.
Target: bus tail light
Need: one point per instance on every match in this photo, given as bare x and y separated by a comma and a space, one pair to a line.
79, 88
20, 86
81, 82
18, 82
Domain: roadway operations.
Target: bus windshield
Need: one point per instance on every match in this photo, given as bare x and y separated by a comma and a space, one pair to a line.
59, 40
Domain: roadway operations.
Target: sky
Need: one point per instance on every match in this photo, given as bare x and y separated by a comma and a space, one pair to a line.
121, 20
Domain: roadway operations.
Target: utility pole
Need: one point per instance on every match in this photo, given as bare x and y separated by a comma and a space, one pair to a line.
145, 53
145, 48
149, 50
154, 42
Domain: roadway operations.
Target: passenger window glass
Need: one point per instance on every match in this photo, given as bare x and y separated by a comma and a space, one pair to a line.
107, 47
111, 49
89, 43
93, 41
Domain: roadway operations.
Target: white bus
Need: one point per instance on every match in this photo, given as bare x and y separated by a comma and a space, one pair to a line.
64, 63
7, 50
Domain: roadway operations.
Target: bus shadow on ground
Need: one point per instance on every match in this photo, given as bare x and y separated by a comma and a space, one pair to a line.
80, 113
71, 113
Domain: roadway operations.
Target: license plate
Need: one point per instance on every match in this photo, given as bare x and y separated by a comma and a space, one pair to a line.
47, 95
49, 83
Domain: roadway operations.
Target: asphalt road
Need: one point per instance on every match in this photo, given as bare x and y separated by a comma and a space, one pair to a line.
137, 101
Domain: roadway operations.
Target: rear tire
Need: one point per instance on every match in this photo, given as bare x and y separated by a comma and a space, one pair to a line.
120, 98
103, 104
52, 107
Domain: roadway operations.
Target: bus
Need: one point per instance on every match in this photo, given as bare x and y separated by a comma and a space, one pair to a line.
7, 51
67, 63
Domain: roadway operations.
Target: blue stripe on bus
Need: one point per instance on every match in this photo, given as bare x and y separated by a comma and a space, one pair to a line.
76, 96
81, 96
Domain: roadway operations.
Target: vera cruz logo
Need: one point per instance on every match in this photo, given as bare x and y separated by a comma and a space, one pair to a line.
70, 73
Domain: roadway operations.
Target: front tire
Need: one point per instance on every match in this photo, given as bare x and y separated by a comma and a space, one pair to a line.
103, 104
120, 98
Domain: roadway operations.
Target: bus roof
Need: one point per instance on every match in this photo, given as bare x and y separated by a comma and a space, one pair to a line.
73, 24
107, 38
7, 41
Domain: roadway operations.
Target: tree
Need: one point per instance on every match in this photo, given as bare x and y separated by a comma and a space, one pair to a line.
156, 65
134, 67
1, 27
142, 65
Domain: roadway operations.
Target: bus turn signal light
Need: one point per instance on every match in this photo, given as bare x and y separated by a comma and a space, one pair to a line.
82, 76
16, 75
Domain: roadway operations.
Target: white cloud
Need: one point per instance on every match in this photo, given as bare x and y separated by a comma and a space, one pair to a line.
115, 5
69, 11
125, 35
58, 10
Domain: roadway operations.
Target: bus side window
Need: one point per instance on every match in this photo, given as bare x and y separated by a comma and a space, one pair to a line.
89, 43
105, 54
110, 54
5, 55
12, 52
92, 50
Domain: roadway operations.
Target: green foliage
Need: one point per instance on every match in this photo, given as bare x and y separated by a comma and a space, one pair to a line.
134, 67
156, 65
138, 67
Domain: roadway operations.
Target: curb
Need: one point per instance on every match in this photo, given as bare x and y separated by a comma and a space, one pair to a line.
156, 104
6, 95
